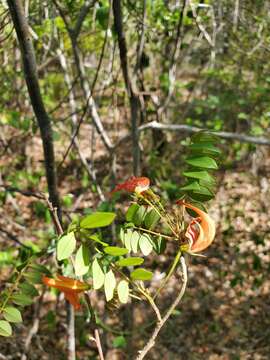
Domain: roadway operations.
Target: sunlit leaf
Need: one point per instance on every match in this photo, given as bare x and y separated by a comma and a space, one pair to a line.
82, 260
98, 275
12, 314
115, 251
96, 220
123, 291
109, 285
127, 239
134, 241
145, 244
131, 261
65, 246
141, 274
202, 162
5, 328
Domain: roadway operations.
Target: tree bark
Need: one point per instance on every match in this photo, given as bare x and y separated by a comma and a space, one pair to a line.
31, 78
132, 94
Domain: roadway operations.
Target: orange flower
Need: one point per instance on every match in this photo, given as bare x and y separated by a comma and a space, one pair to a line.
133, 184
70, 287
200, 231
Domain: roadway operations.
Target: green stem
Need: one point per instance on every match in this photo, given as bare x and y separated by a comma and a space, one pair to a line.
13, 288
154, 233
175, 262
158, 212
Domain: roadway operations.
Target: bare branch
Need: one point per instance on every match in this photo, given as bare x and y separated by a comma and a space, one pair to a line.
151, 341
130, 86
193, 129
82, 15
14, 238
173, 65
79, 123
98, 343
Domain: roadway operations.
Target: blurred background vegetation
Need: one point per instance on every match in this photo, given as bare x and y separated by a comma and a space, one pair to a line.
201, 64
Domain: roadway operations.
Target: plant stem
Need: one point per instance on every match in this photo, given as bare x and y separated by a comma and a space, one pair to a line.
175, 262
151, 341
167, 221
154, 233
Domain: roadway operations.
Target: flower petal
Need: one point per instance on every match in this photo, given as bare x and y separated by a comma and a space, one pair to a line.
73, 298
205, 234
63, 283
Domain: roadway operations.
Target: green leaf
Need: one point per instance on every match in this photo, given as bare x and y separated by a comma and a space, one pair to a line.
204, 148
22, 299
130, 261
5, 328
28, 289
40, 268
96, 220
12, 314
109, 285
141, 274
202, 162
201, 175
139, 215
131, 212
204, 136
151, 219
115, 250
122, 236
145, 244
98, 275
82, 260
95, 238
159, 245
123, 291
194, 185
134, 241
102, 16
65, 246
33, 277
127, 239
199, 197
119, 342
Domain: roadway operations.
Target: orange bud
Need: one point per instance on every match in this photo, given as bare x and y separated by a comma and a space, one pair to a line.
133, 184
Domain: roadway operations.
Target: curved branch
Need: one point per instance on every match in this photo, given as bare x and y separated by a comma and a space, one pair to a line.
193, 129
151, 341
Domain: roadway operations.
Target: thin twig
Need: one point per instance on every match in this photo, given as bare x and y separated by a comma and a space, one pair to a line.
79, 123
98, 343
27, 193
151, 341
14, 238
173, 63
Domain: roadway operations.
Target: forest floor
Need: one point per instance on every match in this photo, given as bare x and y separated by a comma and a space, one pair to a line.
224, 314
